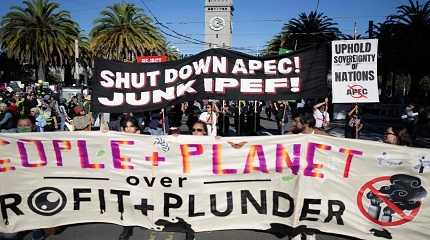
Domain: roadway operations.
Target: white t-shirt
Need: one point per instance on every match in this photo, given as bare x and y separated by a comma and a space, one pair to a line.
322, 119
211, 121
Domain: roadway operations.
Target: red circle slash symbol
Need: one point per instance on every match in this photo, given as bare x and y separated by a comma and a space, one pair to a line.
357, 91
402, 217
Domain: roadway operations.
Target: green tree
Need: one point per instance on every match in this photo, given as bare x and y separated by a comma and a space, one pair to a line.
173, 53
123, 32
306, 30
38, 33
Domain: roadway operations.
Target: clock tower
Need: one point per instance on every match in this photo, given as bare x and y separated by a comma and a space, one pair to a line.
218, 25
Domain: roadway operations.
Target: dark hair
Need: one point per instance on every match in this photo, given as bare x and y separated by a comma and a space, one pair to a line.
404, 139
127, 119
205, 127
23, 117
305, 118
396, 132
26, 117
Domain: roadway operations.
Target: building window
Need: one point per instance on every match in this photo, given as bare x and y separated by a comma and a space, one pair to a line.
216, 35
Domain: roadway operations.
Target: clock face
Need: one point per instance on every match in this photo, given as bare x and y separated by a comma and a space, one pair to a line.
217, 23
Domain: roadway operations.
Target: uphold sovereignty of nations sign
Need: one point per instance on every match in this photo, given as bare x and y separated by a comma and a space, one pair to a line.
279, 184
212, 74
355, 71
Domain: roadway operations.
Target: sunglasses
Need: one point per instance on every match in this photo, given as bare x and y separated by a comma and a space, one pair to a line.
197, 130
388, 133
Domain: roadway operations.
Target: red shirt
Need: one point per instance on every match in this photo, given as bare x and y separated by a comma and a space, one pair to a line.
12, 108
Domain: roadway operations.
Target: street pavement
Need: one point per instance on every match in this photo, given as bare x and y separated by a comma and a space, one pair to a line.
100, 231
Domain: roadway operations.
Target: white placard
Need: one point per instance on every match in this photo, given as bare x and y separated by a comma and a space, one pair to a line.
355, 71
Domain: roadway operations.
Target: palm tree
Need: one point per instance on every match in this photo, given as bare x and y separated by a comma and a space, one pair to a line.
351, 37
306, 30
38, 33
123, 32
411, 36
173, 53
273, 45
85, 52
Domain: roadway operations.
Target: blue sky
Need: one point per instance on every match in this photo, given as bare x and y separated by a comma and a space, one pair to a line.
254, 22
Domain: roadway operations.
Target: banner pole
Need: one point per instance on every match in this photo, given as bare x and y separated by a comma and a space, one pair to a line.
238, 125
283, 119
356, 125
255, 116
164, 121
223, 115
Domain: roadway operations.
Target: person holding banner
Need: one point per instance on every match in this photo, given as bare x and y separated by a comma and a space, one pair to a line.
199, 129
397, 136
128, 125
322, 118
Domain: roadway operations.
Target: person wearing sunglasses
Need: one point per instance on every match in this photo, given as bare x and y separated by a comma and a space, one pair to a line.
397, 136
199, 129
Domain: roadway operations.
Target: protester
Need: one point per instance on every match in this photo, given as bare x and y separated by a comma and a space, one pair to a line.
47, 112
301, 106
397, 136
322, 118
354, 124
282, 110
156, 124
224, 120
192, 111
268, 110
239, 118
410, 117
199, 129
128, 125
305, 123
82, 120
37, 113
39, 120
7, 121
62, 114
210, 117
24, 125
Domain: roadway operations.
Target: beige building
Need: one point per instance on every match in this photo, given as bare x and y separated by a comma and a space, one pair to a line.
218, 23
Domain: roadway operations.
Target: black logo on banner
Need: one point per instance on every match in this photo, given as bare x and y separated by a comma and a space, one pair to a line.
47, 201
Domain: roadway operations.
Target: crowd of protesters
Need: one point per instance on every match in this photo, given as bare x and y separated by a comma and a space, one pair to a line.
42, 110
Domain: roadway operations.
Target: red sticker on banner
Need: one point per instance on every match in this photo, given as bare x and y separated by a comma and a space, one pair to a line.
373, 211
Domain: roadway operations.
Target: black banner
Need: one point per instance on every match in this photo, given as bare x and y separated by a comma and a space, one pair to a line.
212, 74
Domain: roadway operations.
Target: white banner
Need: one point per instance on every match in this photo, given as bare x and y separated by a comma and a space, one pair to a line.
354, 71
279, 184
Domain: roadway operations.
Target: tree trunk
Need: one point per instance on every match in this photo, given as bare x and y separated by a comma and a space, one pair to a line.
68, 79
414, 90
393, 84
36, 71
385, 76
